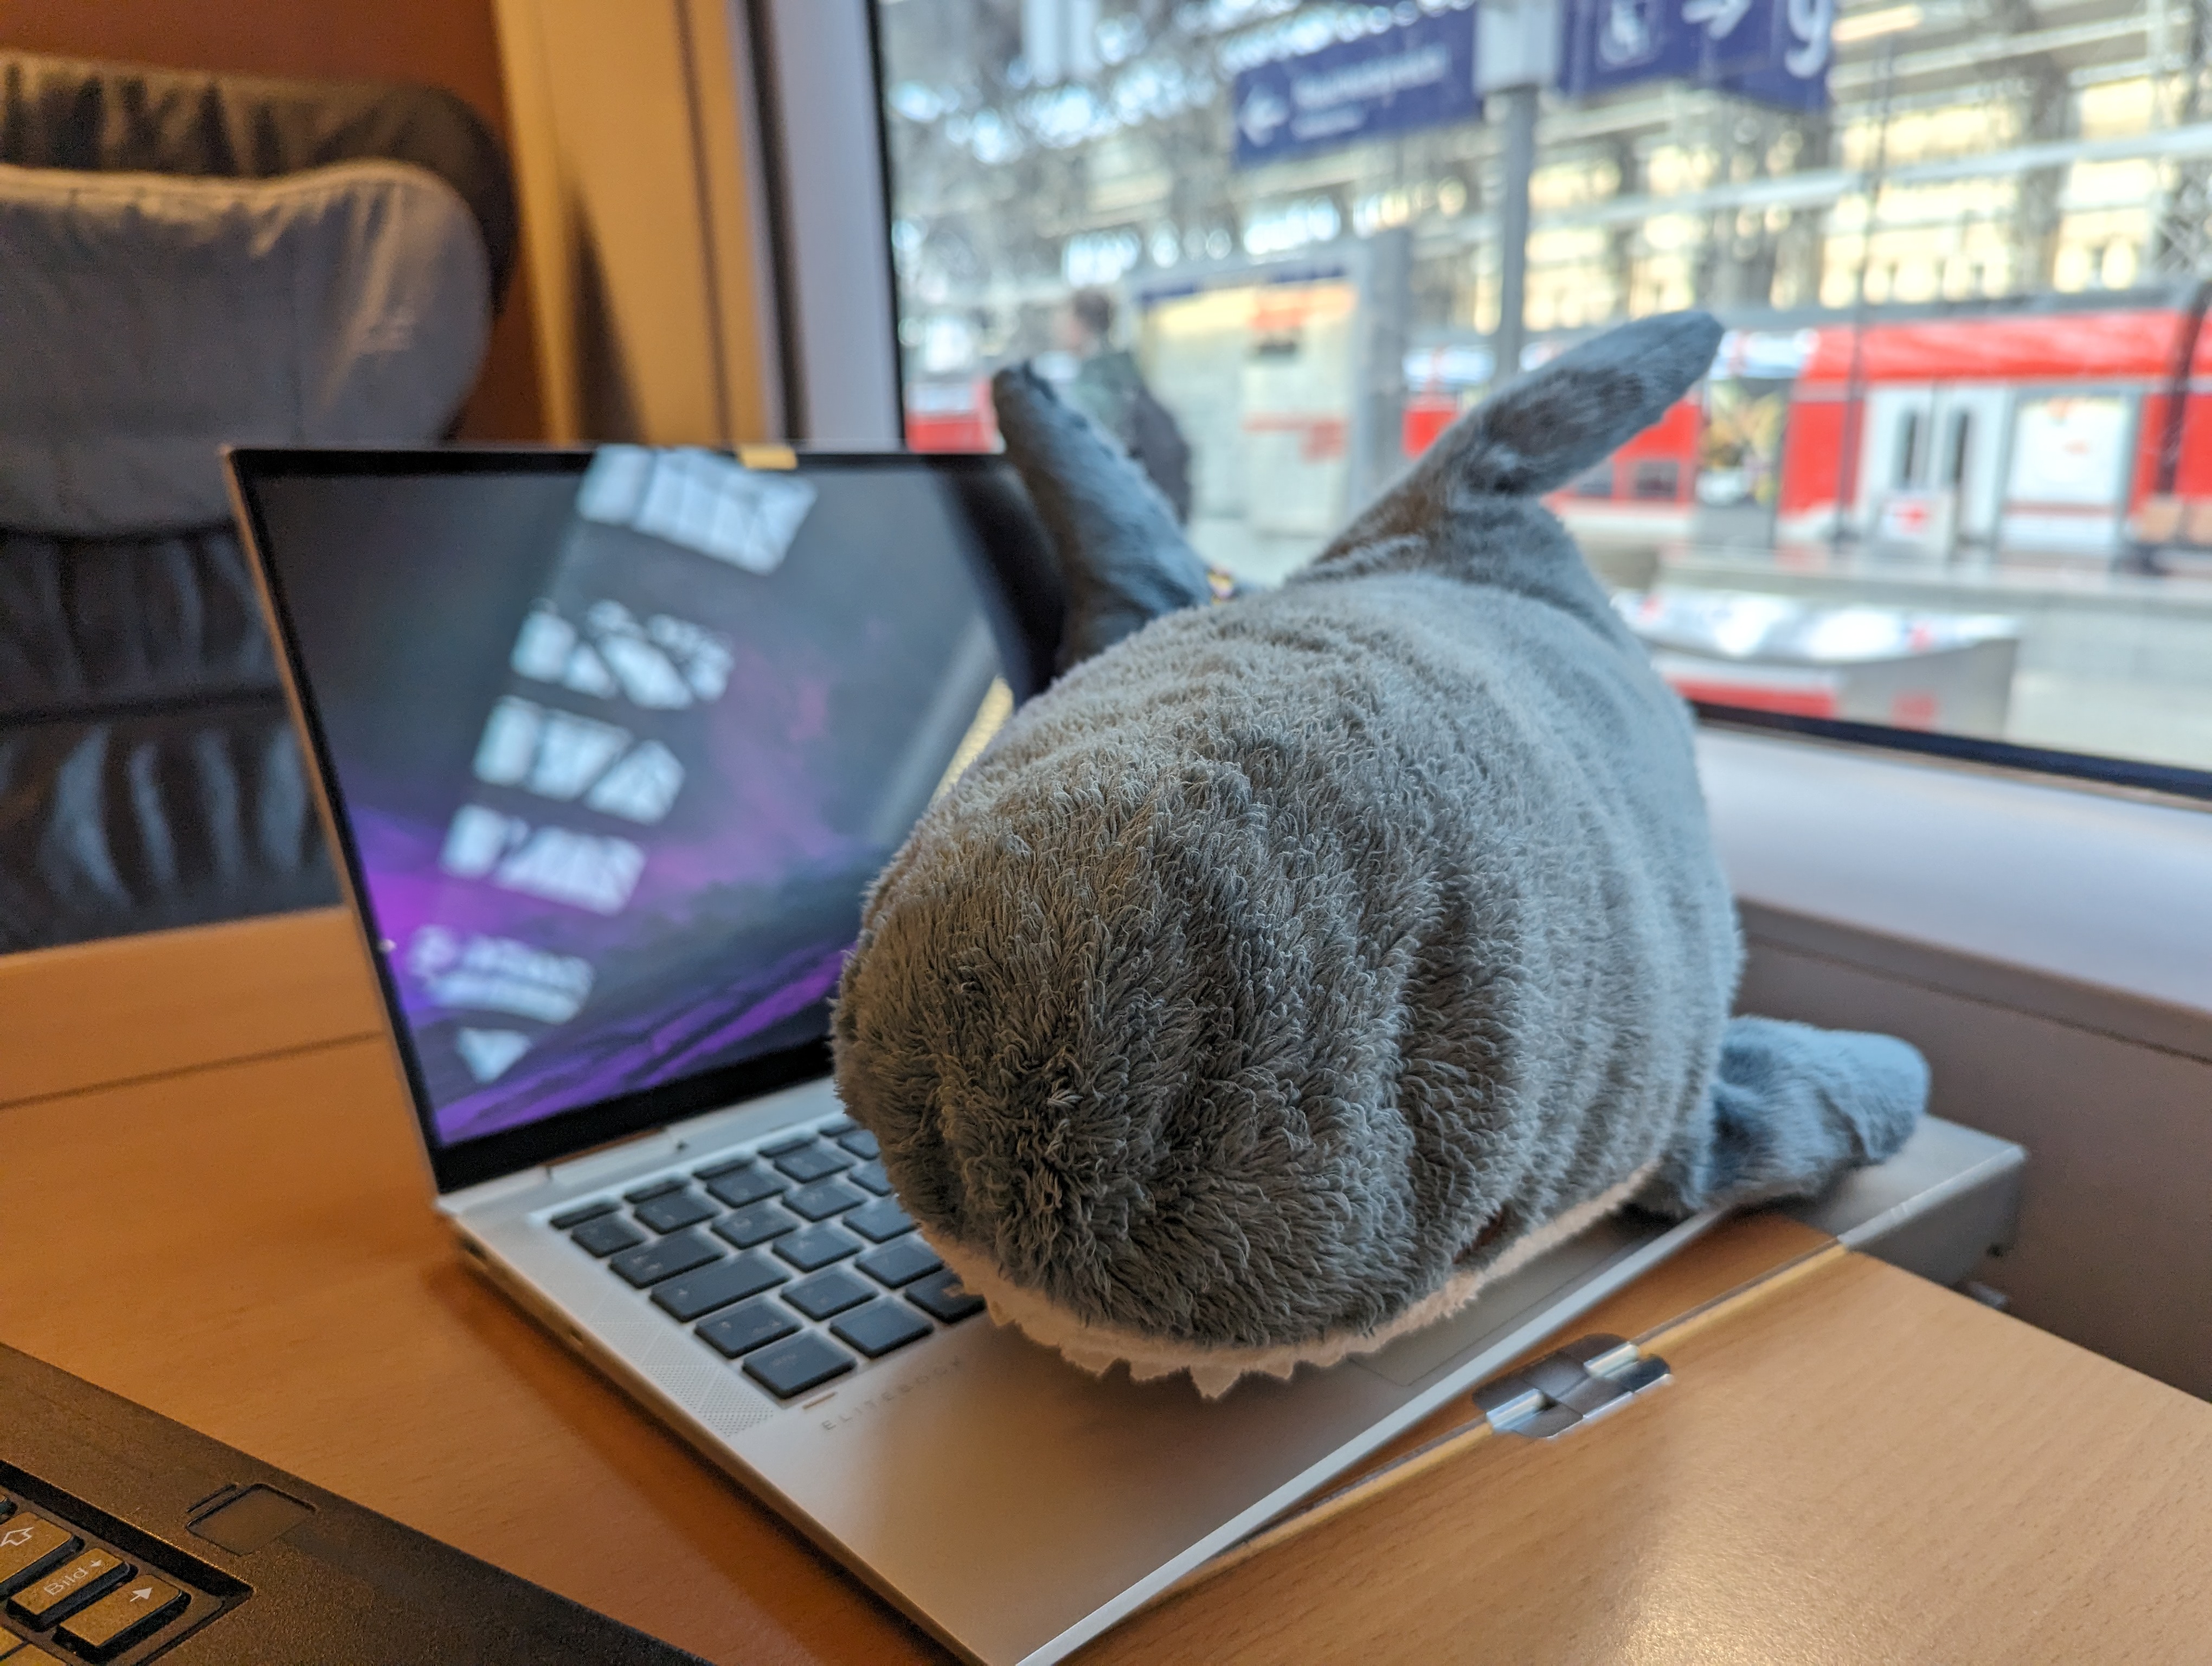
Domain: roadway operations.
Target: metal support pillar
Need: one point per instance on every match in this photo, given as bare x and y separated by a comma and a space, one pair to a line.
1386, 300
1513, 226
1517, 52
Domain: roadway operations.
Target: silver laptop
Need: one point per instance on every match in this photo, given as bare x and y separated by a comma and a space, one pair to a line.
610, 743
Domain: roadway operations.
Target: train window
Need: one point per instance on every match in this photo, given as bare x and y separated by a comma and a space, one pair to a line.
1959, 429
1962, 433
1908, 449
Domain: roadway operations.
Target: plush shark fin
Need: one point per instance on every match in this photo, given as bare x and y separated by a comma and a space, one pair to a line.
1790, 1109
1470, 506
1563, 416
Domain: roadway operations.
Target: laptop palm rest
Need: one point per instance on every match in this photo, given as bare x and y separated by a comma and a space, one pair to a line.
1020, 1506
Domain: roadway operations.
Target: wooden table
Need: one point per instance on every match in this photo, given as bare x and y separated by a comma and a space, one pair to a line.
211, 1200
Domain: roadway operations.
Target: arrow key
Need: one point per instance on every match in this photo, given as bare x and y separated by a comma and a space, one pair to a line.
122, 1617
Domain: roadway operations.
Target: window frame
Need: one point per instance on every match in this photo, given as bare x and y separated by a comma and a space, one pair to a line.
825, 156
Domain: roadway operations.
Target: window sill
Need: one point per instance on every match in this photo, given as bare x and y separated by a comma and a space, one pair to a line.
2083, 906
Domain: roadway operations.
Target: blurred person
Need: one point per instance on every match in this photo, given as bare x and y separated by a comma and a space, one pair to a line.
1109, 389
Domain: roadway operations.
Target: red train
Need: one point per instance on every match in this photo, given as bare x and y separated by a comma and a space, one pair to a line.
2071, 427
2076, 429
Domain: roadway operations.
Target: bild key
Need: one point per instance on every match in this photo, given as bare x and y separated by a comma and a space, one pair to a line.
68, 1585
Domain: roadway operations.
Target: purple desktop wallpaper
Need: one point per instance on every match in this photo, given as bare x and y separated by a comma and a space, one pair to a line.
738, 924
617, 776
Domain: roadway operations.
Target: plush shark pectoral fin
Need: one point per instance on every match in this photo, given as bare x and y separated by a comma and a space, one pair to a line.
1791, 1108
1123, 558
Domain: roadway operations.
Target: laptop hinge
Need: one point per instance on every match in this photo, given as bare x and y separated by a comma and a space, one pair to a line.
580, 1169
590, 1165
484, 1191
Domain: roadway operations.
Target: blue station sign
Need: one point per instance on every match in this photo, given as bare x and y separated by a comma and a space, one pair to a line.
1774, 50
1421, 72
1415, 74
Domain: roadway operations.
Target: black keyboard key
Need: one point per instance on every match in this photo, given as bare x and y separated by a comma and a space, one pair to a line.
860, 1143
881, 1220
757, 1224
123, 1616
679, 1252
579, 1215
829, 1292
811, 1247
787, 1142
69, 1586
899, 1263
742, 1329
653, 1188
940, 1297
872, 1176
813, 1160
747, 1183
30, 1545
671, 1212
793, 1367
879, 1327
604, 1234
686, 1299
836, 1125
823, 1199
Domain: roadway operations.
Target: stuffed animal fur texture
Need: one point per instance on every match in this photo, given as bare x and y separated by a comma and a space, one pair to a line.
1293, 965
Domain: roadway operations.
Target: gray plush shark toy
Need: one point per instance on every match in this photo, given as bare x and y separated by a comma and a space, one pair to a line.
1293, 965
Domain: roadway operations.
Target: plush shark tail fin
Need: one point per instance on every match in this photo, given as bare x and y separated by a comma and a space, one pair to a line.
1122, 560
1562, 417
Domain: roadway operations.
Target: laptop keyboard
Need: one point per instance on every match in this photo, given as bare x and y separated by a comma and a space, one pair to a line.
79, 1599
794, 1261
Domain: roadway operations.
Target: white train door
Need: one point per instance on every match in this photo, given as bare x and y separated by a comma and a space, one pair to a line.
1930, 466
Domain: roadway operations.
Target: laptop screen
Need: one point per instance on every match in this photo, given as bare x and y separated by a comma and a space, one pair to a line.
615, 743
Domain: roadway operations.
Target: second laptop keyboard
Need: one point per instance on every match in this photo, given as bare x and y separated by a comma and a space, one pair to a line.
793, 1259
